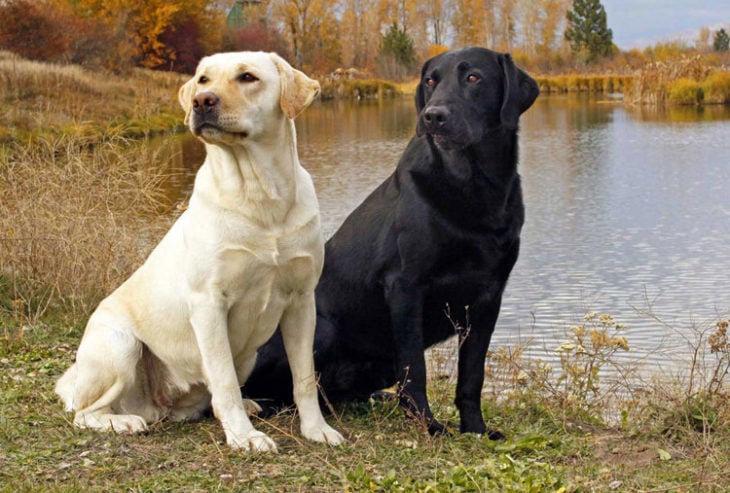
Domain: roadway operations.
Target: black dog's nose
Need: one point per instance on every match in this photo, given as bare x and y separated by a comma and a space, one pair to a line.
435, 117
205, 102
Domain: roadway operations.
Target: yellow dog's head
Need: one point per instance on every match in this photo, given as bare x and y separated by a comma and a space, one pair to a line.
241, 95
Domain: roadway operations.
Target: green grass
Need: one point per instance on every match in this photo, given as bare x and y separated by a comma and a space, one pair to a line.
663, 446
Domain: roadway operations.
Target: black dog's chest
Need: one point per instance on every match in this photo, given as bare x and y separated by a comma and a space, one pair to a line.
466, 277
466, 271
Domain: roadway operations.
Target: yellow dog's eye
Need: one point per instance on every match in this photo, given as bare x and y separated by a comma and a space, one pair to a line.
202, 80
247, 77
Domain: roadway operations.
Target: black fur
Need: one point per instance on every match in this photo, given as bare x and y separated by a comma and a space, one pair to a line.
442, 231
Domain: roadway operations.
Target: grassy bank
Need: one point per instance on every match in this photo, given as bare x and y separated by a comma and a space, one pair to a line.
669, 436
42, 100
357, 89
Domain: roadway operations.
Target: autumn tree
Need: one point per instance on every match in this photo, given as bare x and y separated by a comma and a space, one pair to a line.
51, 31
311, 27
469, 20
504, 24
588, 31
154, 33
531, 19
542, 25
438, 16
257, 36
360, 33
402, 13
183, 41
249, 28
703, 38
32, 33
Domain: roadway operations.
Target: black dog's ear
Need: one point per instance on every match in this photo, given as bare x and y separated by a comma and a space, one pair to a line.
520, 91
420, 96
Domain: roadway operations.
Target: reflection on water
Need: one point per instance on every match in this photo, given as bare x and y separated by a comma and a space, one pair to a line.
628, 210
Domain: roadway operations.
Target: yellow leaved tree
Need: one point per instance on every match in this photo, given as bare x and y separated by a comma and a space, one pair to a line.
141, 30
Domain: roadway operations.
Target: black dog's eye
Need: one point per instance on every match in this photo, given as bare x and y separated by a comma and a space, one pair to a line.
473, 78
430, 82
247, 77
202, 80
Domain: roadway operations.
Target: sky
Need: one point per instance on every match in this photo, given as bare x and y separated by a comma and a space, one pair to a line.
640, 23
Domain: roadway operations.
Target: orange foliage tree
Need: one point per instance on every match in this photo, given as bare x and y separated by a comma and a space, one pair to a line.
360, 33
470, 20
312, 29
139, 28
31, 30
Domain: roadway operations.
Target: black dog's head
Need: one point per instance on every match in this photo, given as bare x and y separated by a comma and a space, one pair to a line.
467, 92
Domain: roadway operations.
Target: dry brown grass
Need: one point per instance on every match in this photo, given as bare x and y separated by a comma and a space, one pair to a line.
686, 81
75, 220
41, 99
584, 83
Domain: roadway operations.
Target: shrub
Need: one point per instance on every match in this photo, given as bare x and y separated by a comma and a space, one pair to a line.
254, 37
717, 88
33, 31
684, 91
357, 89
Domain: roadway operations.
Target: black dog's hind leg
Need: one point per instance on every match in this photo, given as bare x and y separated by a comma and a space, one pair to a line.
473, 345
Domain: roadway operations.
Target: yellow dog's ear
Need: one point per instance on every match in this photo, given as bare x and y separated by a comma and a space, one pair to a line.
185, 96
297, 90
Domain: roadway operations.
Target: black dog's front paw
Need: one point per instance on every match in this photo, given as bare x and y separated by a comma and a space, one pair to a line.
495, 435
484, 431
475, 424
437, 429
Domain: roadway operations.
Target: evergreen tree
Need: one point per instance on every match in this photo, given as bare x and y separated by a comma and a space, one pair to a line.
397, 53
587, 31
721, 41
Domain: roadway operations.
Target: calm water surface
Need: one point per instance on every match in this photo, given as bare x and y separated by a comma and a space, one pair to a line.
628, 211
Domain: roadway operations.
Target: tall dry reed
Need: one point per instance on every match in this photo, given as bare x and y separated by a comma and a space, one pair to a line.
75, 220
684, 81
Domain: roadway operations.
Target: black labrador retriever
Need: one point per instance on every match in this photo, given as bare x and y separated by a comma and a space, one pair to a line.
440, 234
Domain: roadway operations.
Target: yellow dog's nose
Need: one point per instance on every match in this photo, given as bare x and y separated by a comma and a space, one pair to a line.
205, 102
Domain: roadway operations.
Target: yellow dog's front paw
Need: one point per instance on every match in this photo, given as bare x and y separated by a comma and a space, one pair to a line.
323, 433
254, 441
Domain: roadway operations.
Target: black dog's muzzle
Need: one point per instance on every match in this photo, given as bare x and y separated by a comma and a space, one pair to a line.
447, 129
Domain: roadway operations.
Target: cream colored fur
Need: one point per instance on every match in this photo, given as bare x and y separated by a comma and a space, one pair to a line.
182, 332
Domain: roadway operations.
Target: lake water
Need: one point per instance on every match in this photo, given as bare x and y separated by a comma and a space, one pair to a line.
627, 211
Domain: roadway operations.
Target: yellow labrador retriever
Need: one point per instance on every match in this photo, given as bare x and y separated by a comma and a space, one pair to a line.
182, 332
